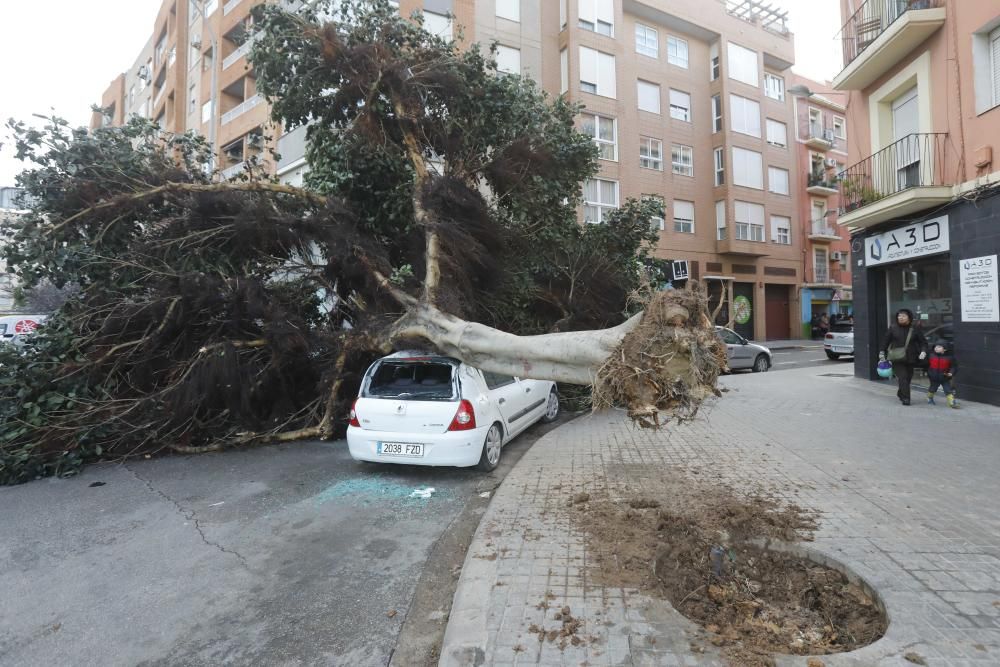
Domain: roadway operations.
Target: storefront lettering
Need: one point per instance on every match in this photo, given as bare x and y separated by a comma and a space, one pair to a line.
926, 238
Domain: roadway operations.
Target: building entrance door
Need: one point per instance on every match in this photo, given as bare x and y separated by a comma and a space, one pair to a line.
776, 312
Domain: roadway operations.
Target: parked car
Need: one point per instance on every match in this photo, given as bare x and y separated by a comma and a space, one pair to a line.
13, 328
743, 354
422, 409
839, 341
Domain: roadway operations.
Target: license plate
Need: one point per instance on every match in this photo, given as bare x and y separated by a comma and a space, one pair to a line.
400, 449
841, 349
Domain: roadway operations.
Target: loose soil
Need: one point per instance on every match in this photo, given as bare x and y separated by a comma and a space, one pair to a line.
701, 547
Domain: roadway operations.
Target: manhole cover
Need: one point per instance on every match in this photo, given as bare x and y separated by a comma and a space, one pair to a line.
834, 375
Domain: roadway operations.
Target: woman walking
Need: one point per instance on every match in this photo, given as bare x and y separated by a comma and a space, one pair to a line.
905, 346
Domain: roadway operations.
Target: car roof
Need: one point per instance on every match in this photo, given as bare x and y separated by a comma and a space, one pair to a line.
419, 355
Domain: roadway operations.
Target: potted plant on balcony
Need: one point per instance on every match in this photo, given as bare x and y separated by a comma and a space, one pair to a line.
856, 193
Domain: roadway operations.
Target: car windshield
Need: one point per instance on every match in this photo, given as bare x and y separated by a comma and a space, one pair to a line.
410, 380
842, 328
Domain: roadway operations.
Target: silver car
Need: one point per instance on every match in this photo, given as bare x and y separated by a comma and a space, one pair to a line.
742, 354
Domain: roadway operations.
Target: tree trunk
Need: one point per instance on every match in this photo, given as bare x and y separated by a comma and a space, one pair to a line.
572, 357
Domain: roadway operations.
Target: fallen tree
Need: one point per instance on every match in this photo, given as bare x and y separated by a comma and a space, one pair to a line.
440, 209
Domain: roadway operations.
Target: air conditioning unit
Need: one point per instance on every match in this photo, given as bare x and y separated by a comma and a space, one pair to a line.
836, 256
828, 135
830, 162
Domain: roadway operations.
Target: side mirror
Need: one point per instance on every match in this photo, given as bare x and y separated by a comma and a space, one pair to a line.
744, 341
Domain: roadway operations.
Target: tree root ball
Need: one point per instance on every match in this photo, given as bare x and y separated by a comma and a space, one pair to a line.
667, 365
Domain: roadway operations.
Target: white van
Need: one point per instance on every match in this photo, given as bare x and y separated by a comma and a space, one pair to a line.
14, 327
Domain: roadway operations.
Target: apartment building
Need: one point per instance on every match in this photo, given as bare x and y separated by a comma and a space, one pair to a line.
10, 208
919, 194
821, 146
701, 82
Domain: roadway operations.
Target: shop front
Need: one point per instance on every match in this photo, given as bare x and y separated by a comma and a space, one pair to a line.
944, 269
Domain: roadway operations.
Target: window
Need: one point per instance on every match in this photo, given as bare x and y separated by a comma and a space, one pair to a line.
748, 168
713, 62
720, 220
605, 133
131, 98
742, 64
597, 72
563, 71
192, 99
682, 158
720, 166
207, 61
748, 220
821, 265
206, 111
781, 230
994, 42
211, 6
496, 380
815, 123
819, 211
646, 41
986, 68
656, 222
716, 113
839, 127
677, 51
600, 197
745, 115
774, 87
562, 14
649, 96
683, 216
680, 105
509, 9
508, 59
777, 180
650, 153
598, 16
777, 133
438, 24
193, 55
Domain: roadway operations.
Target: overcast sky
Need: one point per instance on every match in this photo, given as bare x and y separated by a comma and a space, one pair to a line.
62, 54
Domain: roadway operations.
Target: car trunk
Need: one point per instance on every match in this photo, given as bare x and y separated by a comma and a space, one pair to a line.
409, 396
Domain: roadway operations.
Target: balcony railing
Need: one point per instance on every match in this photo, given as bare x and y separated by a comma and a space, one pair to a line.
230, 6
235, 170
241, 51
822, 228
235, 112
872, 19
916, 160
821, 181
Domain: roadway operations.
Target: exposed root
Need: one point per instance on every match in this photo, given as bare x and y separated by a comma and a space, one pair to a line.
668, 364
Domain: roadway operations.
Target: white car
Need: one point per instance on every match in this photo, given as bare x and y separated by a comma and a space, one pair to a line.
839, 340
14, 328
421, 409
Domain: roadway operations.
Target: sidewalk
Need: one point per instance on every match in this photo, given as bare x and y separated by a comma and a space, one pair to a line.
795, 344
908, 498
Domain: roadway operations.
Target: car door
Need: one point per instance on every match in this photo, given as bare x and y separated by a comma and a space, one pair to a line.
536, 394
507, 394
737, 352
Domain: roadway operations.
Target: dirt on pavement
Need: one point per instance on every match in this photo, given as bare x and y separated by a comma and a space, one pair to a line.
702, 547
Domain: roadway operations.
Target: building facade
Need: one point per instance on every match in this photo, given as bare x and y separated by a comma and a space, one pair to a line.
920, 192
10, 207
699, 81
821, 145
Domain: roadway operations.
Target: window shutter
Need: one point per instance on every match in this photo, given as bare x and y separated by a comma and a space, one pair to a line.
606, 84
605, 11
995, 63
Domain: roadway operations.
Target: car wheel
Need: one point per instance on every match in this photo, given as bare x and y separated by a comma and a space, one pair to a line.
551, 408
761, 364
832, 355
490, 457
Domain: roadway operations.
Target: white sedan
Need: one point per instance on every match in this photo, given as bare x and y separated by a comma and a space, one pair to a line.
420, 409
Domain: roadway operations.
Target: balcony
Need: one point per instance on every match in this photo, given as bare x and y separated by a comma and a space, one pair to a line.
903, 178
819, 139
233, 171
880, 34
818, 184
827, 277
822, 232
741, 246
241, 51
238, 111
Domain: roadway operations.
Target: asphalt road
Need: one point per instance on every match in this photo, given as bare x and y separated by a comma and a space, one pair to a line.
811, 355
283, 555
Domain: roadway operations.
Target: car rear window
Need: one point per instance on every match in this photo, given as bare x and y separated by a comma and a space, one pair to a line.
842, 328
415, 381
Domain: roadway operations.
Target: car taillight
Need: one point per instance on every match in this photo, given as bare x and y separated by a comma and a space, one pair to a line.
830, 336
465, 418
354, 414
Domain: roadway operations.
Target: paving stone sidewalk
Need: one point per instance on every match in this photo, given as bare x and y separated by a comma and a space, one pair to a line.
909, 500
